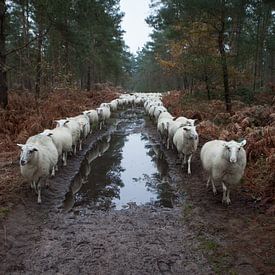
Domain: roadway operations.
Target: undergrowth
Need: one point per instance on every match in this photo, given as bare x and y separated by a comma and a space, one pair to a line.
254, 123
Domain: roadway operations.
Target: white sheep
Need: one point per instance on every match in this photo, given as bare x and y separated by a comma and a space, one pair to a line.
162, 127
104, 105
175, 125
93, 117
113, 105
85, 127
62, 139
75, 129
165, 115
104, 114
186, 121
186, 141
225, 163
38, 159
158, 111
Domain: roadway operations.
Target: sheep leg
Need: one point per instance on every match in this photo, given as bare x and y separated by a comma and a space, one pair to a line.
167, 143
64, 158
228, 201
53, 172
80, 144
214, 187
224, 189
39, 192
189, 164
33, 186
184, 159
74, 149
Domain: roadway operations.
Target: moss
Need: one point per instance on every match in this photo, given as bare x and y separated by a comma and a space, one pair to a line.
4, 211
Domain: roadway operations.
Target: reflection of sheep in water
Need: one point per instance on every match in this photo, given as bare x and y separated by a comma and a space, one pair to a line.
225, 163
104, 145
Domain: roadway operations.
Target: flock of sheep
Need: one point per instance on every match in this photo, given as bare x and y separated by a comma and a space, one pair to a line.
224, 161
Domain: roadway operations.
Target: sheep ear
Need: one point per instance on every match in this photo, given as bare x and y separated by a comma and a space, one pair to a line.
49, 134
20, 145
185, 129
34, 150
243, 143
66, 121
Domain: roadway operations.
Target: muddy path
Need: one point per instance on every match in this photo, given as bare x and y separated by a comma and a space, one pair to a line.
124, 206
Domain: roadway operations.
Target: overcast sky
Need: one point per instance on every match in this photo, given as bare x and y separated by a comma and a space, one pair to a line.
136, 29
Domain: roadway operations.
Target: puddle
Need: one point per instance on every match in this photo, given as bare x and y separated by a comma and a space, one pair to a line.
122, 169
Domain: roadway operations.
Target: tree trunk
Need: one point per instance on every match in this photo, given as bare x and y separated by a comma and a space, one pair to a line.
38, 64
206, 80
88, 86
227, 97
3, 73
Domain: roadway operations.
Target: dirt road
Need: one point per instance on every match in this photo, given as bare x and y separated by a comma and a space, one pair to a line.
197, 235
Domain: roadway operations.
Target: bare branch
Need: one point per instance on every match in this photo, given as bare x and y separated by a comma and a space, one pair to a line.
28, 43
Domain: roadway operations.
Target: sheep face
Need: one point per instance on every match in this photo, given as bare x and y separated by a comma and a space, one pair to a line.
61, 122
232, 150
100, 112
27, 152
190, 132
191, 122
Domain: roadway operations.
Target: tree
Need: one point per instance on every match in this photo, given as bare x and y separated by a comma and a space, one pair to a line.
3, 68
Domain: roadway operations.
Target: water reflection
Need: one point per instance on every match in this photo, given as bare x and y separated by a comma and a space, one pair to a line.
122, 168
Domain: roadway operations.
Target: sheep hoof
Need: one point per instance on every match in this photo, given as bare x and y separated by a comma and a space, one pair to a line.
226, 201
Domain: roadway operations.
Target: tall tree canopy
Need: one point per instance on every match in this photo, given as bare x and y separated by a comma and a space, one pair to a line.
57, 43
226, 44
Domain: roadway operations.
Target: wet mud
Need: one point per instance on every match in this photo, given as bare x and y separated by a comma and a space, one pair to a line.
124, 206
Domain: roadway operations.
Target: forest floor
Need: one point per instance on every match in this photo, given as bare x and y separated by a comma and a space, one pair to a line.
198, 236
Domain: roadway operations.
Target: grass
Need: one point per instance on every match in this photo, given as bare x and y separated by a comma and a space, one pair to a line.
216, 255
187, 210
4, 211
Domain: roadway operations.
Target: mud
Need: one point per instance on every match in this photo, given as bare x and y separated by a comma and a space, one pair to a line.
183, 230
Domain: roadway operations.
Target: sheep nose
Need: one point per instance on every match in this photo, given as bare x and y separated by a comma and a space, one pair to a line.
22, 162
233, 160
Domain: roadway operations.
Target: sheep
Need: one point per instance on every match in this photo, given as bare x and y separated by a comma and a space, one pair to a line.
93, 117
186, 121
165, 115
104, 105
162, 127
113, 105
175, 125
75, 129
186, 141
38, 159
104, 114
62, 139
158, 111
85, 127
225, 163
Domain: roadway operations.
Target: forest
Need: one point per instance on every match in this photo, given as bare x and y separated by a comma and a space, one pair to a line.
209, 61
53, 44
